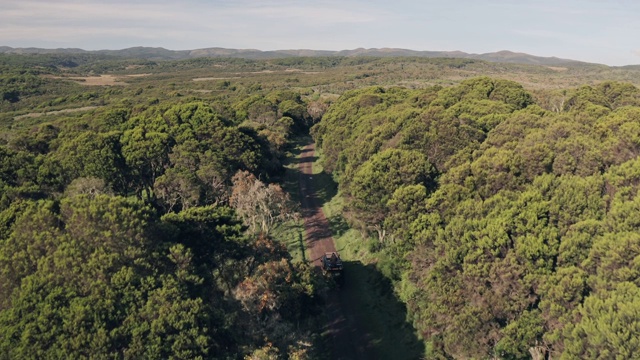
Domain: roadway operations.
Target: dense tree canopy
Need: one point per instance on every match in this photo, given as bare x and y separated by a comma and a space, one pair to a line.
144, 226
521, 240
117, 239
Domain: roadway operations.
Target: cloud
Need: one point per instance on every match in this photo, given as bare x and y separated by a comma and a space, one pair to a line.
316, 14
34, 11
188, 22
38, 12
543, 34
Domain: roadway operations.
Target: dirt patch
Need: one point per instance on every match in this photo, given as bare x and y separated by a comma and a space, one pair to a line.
299, 71
64, 111
349, 338
137, 75
250, 73
557, 68
215, 78
101, 80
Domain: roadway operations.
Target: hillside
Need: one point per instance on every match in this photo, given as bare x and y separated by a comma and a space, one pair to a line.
164, 54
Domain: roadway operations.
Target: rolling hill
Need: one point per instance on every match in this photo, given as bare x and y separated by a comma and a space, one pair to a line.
154, 53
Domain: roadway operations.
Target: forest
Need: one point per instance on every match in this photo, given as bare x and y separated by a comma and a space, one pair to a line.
149, 209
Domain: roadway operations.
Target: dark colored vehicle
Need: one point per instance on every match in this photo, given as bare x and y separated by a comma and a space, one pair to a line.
331, 264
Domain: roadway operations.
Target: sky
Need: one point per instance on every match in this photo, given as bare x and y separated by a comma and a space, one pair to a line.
603, 31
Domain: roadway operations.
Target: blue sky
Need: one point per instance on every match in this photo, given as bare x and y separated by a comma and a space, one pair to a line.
606, 32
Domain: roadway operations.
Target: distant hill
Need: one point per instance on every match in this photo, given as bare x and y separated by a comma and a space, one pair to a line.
30, 50
153, 53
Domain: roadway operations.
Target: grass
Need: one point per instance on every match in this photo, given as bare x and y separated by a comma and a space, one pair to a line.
292, 231
291, 234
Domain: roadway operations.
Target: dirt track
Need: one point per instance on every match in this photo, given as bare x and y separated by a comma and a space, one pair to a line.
348, 338
55, 112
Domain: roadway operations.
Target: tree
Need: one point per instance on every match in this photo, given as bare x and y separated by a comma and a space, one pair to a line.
95, 155
146, 153
377, 179
90, 186
177, 188
609, 326
406, 204
260, 206
215, 177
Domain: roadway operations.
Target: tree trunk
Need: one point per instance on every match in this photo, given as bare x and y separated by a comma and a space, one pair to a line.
381, 233
537, 352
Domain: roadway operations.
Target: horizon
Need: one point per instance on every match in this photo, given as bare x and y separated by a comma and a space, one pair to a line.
307, 49
568, 29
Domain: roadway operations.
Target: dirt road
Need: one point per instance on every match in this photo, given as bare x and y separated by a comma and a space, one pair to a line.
349, 339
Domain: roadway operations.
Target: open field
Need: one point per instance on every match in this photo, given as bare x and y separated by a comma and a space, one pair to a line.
136, 82
55, 112
99, 80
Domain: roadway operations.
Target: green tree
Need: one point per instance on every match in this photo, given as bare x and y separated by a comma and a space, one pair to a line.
609, 326
376, 181
146, 154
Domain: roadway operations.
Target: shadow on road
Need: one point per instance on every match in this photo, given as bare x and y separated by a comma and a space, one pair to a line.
318, 229
303, 159
374, 320
365, 320
325, 188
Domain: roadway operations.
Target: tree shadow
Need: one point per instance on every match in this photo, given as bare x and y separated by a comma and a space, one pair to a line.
338, 225
316, 225
302, 247
302, 159
291, 233
325, 187
371, 322
290, 182
295, 148
290, 178
320, 188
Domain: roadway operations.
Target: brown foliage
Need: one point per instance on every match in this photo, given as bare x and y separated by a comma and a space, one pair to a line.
260, 206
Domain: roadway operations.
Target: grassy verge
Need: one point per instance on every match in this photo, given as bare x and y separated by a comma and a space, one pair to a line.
368, 293
292, 232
